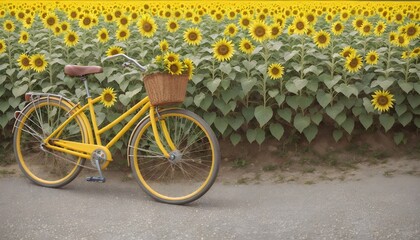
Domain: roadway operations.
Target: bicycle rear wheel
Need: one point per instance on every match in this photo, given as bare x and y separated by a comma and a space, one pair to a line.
194, 170
44, 166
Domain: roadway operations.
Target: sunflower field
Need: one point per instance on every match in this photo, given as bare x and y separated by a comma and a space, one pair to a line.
258, 70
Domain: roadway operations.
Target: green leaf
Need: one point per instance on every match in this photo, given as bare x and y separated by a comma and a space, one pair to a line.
285, 113
247, 84
14, 102
329, 81
206, 102
310, 132
291, 87
290, 55
251, 134
366, 120
398, 138
213, 84
20, 90
273, 93
260, 137
248, 113
405, 86
417, 122
292, 101
300, 83
317, 118
225, 67
2, 79
221, 124
3, 120
334, 110
236, 122
387, 121
280, 99
348, 125
223, 107
10, 72
405, 118
416, 86
301, 122
4, 105
209, 117
400, 109
198, 98
413, 100
341, 118
263, 114
347, 90
324, 98
276, 130
337, 134
124, 99
368, 105
235, 138
304, 101
249, 65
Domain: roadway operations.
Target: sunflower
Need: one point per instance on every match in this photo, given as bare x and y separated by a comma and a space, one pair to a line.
171, 57
392, 37
337, 28
164, 45
50, 20
382, 100
412, 31
109, 17
300, 25
71, 38
405, 55
358, 23
223, 50
230, 30
380, 28
38, 62
290, 29
2, 46
311, 18
123, 21
9, 26
190, 67
415, 53
87, 21
192, 36
372, 58
259, 31
401, 40
147, 26
353, 63
72, 14
276, 29
347, 52
24, 37
175, 68
399, 17
65, 26
244, 22
103, 35
114, 50
322, 39
246, 46
196, 19
344, 16
172, 26
122, 34
275, 71
108, 97
28, 22
366, 29
24, 62
329, 17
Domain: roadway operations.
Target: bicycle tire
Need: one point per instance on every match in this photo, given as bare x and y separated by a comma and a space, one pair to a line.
176, 186
45, 167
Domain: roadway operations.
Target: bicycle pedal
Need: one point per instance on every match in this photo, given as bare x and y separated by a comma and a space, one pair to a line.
96, 179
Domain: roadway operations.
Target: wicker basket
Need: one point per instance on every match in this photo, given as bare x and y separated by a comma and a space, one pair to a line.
165, 89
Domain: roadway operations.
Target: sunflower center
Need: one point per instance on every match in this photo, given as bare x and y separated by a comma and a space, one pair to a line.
147, 27
383, 100
118, 14
300, 25
398, 17
51, 21
174, 68
337, 27
172, 25
372, 58
108, 97
167, 14
259, 31
87, 21
345, 15
392, 37
73, 14
103, 35
359, 23
322, 39
223, 50
123, 34
245, 22
401, 39
21, 15
366, 29
64, 27
28, 20
9, 26
114, 52
188, 15
275, 31
71, 38
25, 37
247, 46
171, 59
310, 18
275, 71
164, 47
354, 62
39, 62
219, 16
25, 62
123, 21
411, 31
192, 36
109, 17
380, 27
231, 30
1, 46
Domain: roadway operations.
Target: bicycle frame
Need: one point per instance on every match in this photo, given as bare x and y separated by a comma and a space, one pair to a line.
85, 150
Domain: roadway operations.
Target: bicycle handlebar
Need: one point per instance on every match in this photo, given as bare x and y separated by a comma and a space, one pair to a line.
142, 68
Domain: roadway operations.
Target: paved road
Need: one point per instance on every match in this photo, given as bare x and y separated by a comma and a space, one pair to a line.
373, 208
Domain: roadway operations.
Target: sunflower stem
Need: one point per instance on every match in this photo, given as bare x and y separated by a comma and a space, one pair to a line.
50, 51
388, 60
302, 56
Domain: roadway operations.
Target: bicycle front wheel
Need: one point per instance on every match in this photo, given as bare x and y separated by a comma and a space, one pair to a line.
194, 169
43, 166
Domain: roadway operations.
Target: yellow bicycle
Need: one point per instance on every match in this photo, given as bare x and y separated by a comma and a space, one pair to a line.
173, 153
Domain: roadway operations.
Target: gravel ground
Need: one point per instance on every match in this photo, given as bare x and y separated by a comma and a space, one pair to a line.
375, 207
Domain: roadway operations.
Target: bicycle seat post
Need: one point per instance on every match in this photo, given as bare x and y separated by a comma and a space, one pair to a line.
83, 78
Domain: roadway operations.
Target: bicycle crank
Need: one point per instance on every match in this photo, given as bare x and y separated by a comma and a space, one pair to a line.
98, 158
